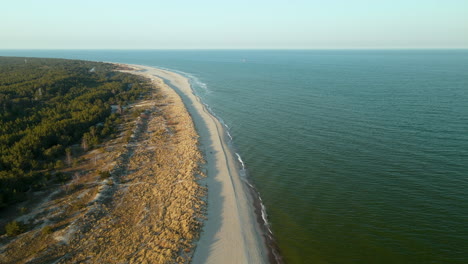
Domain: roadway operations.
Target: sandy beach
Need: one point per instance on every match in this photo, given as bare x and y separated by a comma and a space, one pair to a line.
231, 233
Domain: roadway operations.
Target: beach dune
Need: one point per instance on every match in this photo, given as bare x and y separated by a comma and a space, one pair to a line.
231, 234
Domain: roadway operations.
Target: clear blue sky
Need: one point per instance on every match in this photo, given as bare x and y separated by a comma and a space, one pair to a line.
179, 24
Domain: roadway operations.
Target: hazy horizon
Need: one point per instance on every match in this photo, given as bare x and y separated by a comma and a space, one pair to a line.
247, 49
207, 24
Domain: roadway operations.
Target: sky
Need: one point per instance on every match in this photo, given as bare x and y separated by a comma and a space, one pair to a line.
240, 24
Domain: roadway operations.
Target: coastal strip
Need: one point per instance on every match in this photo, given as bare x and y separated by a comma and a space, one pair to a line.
231, 233
134, 198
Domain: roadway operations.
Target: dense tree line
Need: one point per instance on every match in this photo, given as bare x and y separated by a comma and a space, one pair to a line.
46, 105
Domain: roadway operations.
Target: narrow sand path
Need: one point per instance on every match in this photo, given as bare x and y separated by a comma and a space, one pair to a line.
231, 233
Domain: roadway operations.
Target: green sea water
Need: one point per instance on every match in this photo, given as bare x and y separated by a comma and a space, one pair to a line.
358, 156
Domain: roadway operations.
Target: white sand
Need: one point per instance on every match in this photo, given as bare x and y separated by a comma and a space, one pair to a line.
231, 234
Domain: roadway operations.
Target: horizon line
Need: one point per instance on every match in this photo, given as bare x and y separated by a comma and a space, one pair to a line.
285, 49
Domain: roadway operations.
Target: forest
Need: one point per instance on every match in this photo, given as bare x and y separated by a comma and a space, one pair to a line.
48, 105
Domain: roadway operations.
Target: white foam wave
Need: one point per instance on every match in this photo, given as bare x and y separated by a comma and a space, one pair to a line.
264, 217
208, 107
251, 186
229, 134
240, 160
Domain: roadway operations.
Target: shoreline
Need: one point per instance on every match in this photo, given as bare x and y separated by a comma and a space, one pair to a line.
234, 231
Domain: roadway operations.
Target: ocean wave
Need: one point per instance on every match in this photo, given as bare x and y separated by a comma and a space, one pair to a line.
229, 134
240, 161
265, 218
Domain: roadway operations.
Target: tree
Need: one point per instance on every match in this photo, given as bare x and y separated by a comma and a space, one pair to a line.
46, 106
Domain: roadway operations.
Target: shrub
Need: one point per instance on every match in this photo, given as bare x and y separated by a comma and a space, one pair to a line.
59, 165
46, 230
23, 210
104, 175
61, 177
14, 228
78, 205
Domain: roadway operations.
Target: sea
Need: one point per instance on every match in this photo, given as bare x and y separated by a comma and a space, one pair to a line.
359, 156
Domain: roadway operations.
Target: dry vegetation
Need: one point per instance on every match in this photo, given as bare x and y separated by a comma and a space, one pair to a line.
149, 209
